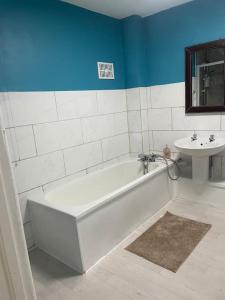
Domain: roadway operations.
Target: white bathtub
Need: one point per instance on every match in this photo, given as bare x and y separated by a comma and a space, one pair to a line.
81, 221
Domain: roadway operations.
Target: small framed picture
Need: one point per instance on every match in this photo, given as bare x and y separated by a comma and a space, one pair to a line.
105, 70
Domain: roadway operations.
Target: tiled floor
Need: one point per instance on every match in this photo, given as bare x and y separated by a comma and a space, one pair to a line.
122, 275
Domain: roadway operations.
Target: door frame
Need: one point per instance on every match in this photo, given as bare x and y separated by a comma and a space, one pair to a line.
13, 249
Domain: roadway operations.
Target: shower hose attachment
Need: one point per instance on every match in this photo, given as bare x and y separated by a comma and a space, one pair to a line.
168, 168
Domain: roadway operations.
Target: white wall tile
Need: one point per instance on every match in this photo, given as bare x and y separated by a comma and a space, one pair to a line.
111, 101
21, 142
144, 98
35, 194
151, 141
115, 146
32, 107
82, 157
120, 123
144, 119
34, 172
168, 95
133, 99
159, 119
194, 121
163, 138
99, 127
134, 121
95, 128
5, 112
149, 102
146, 141
136, 143
3, 115
58, 135
25, 141
12, 144
76, 104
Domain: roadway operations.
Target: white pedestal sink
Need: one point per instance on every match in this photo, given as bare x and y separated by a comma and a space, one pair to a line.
200, 150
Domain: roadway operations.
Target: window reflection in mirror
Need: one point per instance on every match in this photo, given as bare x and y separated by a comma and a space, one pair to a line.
208, 77
205, 77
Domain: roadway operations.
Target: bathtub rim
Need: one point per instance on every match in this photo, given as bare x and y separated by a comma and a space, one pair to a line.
102, 201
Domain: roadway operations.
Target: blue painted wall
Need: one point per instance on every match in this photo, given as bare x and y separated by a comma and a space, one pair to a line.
135, 51
51, 45
168, 32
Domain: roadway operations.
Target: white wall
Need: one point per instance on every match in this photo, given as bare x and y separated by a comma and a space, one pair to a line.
56, 136
138, 103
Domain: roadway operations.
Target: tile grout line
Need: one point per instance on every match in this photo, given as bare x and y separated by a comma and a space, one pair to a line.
35, 142
172, 124
56, 105
64, 162
128, 123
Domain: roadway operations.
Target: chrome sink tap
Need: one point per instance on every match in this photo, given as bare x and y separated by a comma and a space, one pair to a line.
194, 137
212, 138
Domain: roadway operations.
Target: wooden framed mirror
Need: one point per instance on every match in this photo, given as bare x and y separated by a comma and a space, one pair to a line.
205, 77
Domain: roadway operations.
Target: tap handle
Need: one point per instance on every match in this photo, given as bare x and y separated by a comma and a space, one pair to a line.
194, 136
212, 137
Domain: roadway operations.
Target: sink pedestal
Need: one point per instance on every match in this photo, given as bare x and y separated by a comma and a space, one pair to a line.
200, 169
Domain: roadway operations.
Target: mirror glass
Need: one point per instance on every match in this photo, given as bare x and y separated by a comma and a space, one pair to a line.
205, 77
208, 77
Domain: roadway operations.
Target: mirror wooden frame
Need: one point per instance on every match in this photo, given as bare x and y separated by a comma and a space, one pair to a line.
188, 78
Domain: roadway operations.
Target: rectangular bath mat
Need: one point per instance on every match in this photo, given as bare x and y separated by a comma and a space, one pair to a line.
169, 241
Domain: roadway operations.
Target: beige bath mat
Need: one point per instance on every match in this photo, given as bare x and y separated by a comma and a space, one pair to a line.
169, 241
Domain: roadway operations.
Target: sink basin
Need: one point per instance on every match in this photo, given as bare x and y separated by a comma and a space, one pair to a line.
200, 150
200, 147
